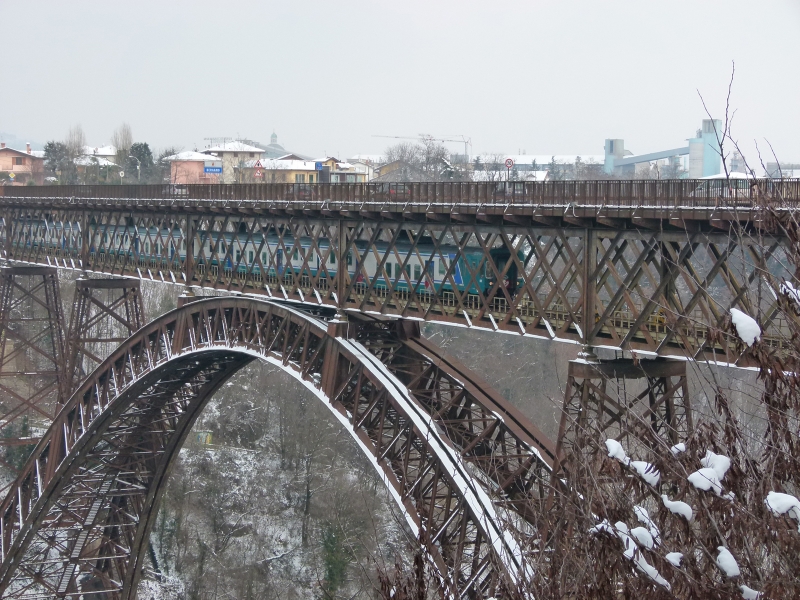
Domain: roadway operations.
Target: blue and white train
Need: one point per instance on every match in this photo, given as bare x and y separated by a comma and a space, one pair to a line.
239, 253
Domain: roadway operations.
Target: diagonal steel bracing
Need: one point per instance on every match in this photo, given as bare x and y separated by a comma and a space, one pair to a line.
105, 312
32, 360
460, 462
554, 270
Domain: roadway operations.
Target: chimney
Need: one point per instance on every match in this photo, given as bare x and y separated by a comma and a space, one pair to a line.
2, 144
28, 147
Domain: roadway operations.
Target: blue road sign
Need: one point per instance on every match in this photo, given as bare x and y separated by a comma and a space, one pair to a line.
212, 169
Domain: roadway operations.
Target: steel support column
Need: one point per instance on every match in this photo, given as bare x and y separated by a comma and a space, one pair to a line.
32, 361
635, 402
105, 312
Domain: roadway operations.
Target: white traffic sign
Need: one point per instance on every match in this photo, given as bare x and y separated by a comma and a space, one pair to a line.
258, 173
258, 165
122, 173
509, 163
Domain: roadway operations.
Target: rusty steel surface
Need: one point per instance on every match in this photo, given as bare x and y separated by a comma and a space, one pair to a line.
105, 312
32, 359
601, 398
656, 284
462, 464
612, 193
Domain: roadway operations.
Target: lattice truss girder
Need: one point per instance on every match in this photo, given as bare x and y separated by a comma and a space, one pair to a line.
31, 353
639, 289
79, 516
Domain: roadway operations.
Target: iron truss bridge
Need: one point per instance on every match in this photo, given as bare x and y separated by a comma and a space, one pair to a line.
330, 283
648, 266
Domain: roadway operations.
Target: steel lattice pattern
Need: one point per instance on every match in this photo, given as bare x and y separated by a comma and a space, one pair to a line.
80, 514
105, 312
644, 285
32, 360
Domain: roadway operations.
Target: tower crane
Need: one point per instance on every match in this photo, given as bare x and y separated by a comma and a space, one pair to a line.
424, 137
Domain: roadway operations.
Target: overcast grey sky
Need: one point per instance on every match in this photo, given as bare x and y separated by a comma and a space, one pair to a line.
546, 77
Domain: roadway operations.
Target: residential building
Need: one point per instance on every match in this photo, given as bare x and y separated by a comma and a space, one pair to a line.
194, 167
337, 171
21, 167
291, 170
108, 153
272, 170
234, 157
366, 164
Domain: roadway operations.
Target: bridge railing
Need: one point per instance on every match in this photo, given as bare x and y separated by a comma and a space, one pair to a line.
684, 192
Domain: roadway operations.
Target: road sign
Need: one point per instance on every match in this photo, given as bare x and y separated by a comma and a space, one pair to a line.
212, 166
318, 166
122, 173
509, 163
258, 173
258, 165
11, 176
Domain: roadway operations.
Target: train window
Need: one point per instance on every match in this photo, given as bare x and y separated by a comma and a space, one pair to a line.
158, 248
263, 258
251, 256
443, 266
417, 272
350, 258
105, 238
147, 247
408, 270
296, 254
238, 255
222, 247
183, 244
398, 269
332, 258
389, 269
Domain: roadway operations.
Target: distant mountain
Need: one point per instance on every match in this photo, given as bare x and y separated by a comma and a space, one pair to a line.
12, 141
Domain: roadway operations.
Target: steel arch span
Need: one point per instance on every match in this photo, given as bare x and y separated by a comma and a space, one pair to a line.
465, 468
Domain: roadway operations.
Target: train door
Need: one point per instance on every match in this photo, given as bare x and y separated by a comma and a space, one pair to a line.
502, 257
279, 261
457, 270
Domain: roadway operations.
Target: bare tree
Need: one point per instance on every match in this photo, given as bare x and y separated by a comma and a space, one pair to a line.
122, 140
726, 127
489, 167
75, 142
404, 152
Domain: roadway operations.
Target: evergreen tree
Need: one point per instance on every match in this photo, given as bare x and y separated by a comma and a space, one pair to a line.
140, 161
59, 163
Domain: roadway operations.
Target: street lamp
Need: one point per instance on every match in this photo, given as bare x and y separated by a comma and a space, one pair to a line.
138, 167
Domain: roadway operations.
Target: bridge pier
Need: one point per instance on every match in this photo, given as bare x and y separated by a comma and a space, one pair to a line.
32, 358
597, 402
105, 312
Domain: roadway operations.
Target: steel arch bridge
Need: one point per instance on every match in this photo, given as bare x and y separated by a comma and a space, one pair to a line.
459, 464
652, 268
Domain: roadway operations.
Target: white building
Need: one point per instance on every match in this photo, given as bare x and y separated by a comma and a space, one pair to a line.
234, 157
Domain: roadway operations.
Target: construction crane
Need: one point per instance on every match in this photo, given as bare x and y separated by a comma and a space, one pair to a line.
424, 137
